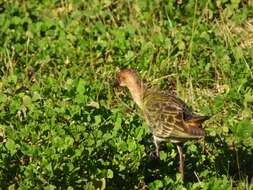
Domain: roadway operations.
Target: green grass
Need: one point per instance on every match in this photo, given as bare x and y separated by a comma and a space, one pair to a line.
63, 126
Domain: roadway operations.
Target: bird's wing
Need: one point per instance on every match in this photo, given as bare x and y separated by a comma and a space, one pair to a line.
165, 115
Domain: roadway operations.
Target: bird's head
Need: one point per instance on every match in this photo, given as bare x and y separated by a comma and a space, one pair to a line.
127, 77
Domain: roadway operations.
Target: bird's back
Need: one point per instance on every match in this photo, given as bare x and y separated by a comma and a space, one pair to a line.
170, 118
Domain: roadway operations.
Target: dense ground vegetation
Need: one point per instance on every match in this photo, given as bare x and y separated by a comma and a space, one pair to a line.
64, 126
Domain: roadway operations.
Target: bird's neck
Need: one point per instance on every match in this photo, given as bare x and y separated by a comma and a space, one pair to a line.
137, 90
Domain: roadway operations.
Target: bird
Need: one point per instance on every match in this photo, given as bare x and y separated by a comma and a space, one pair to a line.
169, 118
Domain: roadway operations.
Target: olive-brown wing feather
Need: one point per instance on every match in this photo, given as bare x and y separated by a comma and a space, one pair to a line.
165, 115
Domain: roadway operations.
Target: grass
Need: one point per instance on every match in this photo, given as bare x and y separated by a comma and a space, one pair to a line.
63, 125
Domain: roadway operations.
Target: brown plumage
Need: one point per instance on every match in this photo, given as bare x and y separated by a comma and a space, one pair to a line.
168, 117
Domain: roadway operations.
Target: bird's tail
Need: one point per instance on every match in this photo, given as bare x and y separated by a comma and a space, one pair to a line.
193, 125
196, 121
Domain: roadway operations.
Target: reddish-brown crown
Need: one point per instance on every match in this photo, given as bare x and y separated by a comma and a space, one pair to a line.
127, 76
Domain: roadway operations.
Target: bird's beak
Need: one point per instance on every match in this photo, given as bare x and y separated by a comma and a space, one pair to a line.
115, 83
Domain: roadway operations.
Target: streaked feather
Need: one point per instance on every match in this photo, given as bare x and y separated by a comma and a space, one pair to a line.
170, 118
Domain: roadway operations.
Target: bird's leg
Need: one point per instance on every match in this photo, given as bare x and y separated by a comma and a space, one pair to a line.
157, 147
181, 157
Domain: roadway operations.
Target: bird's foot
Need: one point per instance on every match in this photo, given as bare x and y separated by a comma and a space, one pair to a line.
155, 161
155, 157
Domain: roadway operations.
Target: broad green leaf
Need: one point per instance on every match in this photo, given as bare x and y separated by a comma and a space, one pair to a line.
97, 119
80, 86
131, 145
109, 174
11, 146
69, 141
36, 96
139, 131
50, 187
157, 184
